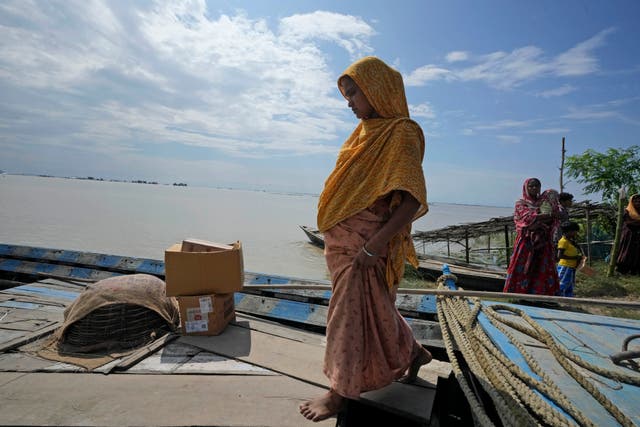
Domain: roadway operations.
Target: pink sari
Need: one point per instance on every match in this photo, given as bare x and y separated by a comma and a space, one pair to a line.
369, 344
532, 268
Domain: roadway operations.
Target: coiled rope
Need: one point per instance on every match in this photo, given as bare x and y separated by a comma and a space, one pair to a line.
510, 388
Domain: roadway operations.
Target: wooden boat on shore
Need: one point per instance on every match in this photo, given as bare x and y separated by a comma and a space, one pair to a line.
470, 276
276, 343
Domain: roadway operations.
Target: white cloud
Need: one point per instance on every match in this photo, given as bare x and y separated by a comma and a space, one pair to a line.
457, 56
176, 72
510, 139
550, 131
425, 74
504, 124
610, 110
623, 101
579, 60
559, 91
506, 70
588, 113
424, 110
350, 32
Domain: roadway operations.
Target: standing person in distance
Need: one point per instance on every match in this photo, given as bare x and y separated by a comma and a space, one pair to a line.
628, 261
569, 258
365, 211
565, 202
532, 268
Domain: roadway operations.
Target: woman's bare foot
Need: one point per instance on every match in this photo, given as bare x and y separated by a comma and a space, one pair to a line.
323, 407
422, 358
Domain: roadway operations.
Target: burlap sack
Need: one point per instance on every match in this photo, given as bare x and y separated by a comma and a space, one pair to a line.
81, 340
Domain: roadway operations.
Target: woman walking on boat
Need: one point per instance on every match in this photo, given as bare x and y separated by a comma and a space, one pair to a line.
532, 269
365, 211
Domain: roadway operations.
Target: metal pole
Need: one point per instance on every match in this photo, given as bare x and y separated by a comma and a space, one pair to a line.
562, 167
587, 208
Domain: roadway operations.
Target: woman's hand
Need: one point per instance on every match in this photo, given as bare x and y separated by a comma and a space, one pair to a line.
365, 258
377, 244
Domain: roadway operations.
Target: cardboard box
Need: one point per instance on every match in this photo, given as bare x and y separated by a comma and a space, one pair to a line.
205, 272
206, 314
197, 245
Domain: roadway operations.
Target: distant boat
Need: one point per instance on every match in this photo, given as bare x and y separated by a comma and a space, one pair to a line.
471, 276
314, 235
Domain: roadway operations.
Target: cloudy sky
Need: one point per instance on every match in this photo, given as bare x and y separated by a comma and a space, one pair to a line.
243, 93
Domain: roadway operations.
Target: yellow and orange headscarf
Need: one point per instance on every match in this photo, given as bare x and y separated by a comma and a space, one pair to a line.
633, 213
381, 155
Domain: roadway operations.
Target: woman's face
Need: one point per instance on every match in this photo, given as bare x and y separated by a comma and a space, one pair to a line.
358, 103
533, 188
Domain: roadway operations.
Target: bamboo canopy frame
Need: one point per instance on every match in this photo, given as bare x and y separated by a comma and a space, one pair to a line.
504, 225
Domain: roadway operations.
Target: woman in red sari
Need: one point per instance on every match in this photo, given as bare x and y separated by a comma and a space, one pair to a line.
532, 269
365, 212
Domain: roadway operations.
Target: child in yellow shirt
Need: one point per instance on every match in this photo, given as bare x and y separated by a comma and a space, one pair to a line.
569, 256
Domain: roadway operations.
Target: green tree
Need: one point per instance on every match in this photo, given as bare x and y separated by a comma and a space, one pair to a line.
606, 172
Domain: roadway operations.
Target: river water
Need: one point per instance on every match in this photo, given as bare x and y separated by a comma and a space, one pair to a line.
143, 220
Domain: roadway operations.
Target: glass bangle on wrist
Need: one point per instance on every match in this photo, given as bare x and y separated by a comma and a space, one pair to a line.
364, 248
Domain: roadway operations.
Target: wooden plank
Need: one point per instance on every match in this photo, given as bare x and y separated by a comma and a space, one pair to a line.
304, 361
274, 328
28, 337
154, 400
44, 269
130, 360
32, 311
179, 358
95, 266
409, 304
116, 263
296, 359
316, 315
312, 314
46, 292
23, 362
209, 363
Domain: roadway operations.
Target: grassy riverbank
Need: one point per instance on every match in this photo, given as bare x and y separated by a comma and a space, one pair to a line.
598, 286
618, 287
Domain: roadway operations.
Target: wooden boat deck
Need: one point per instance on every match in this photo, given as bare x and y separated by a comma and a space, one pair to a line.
591, 337
256, 372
